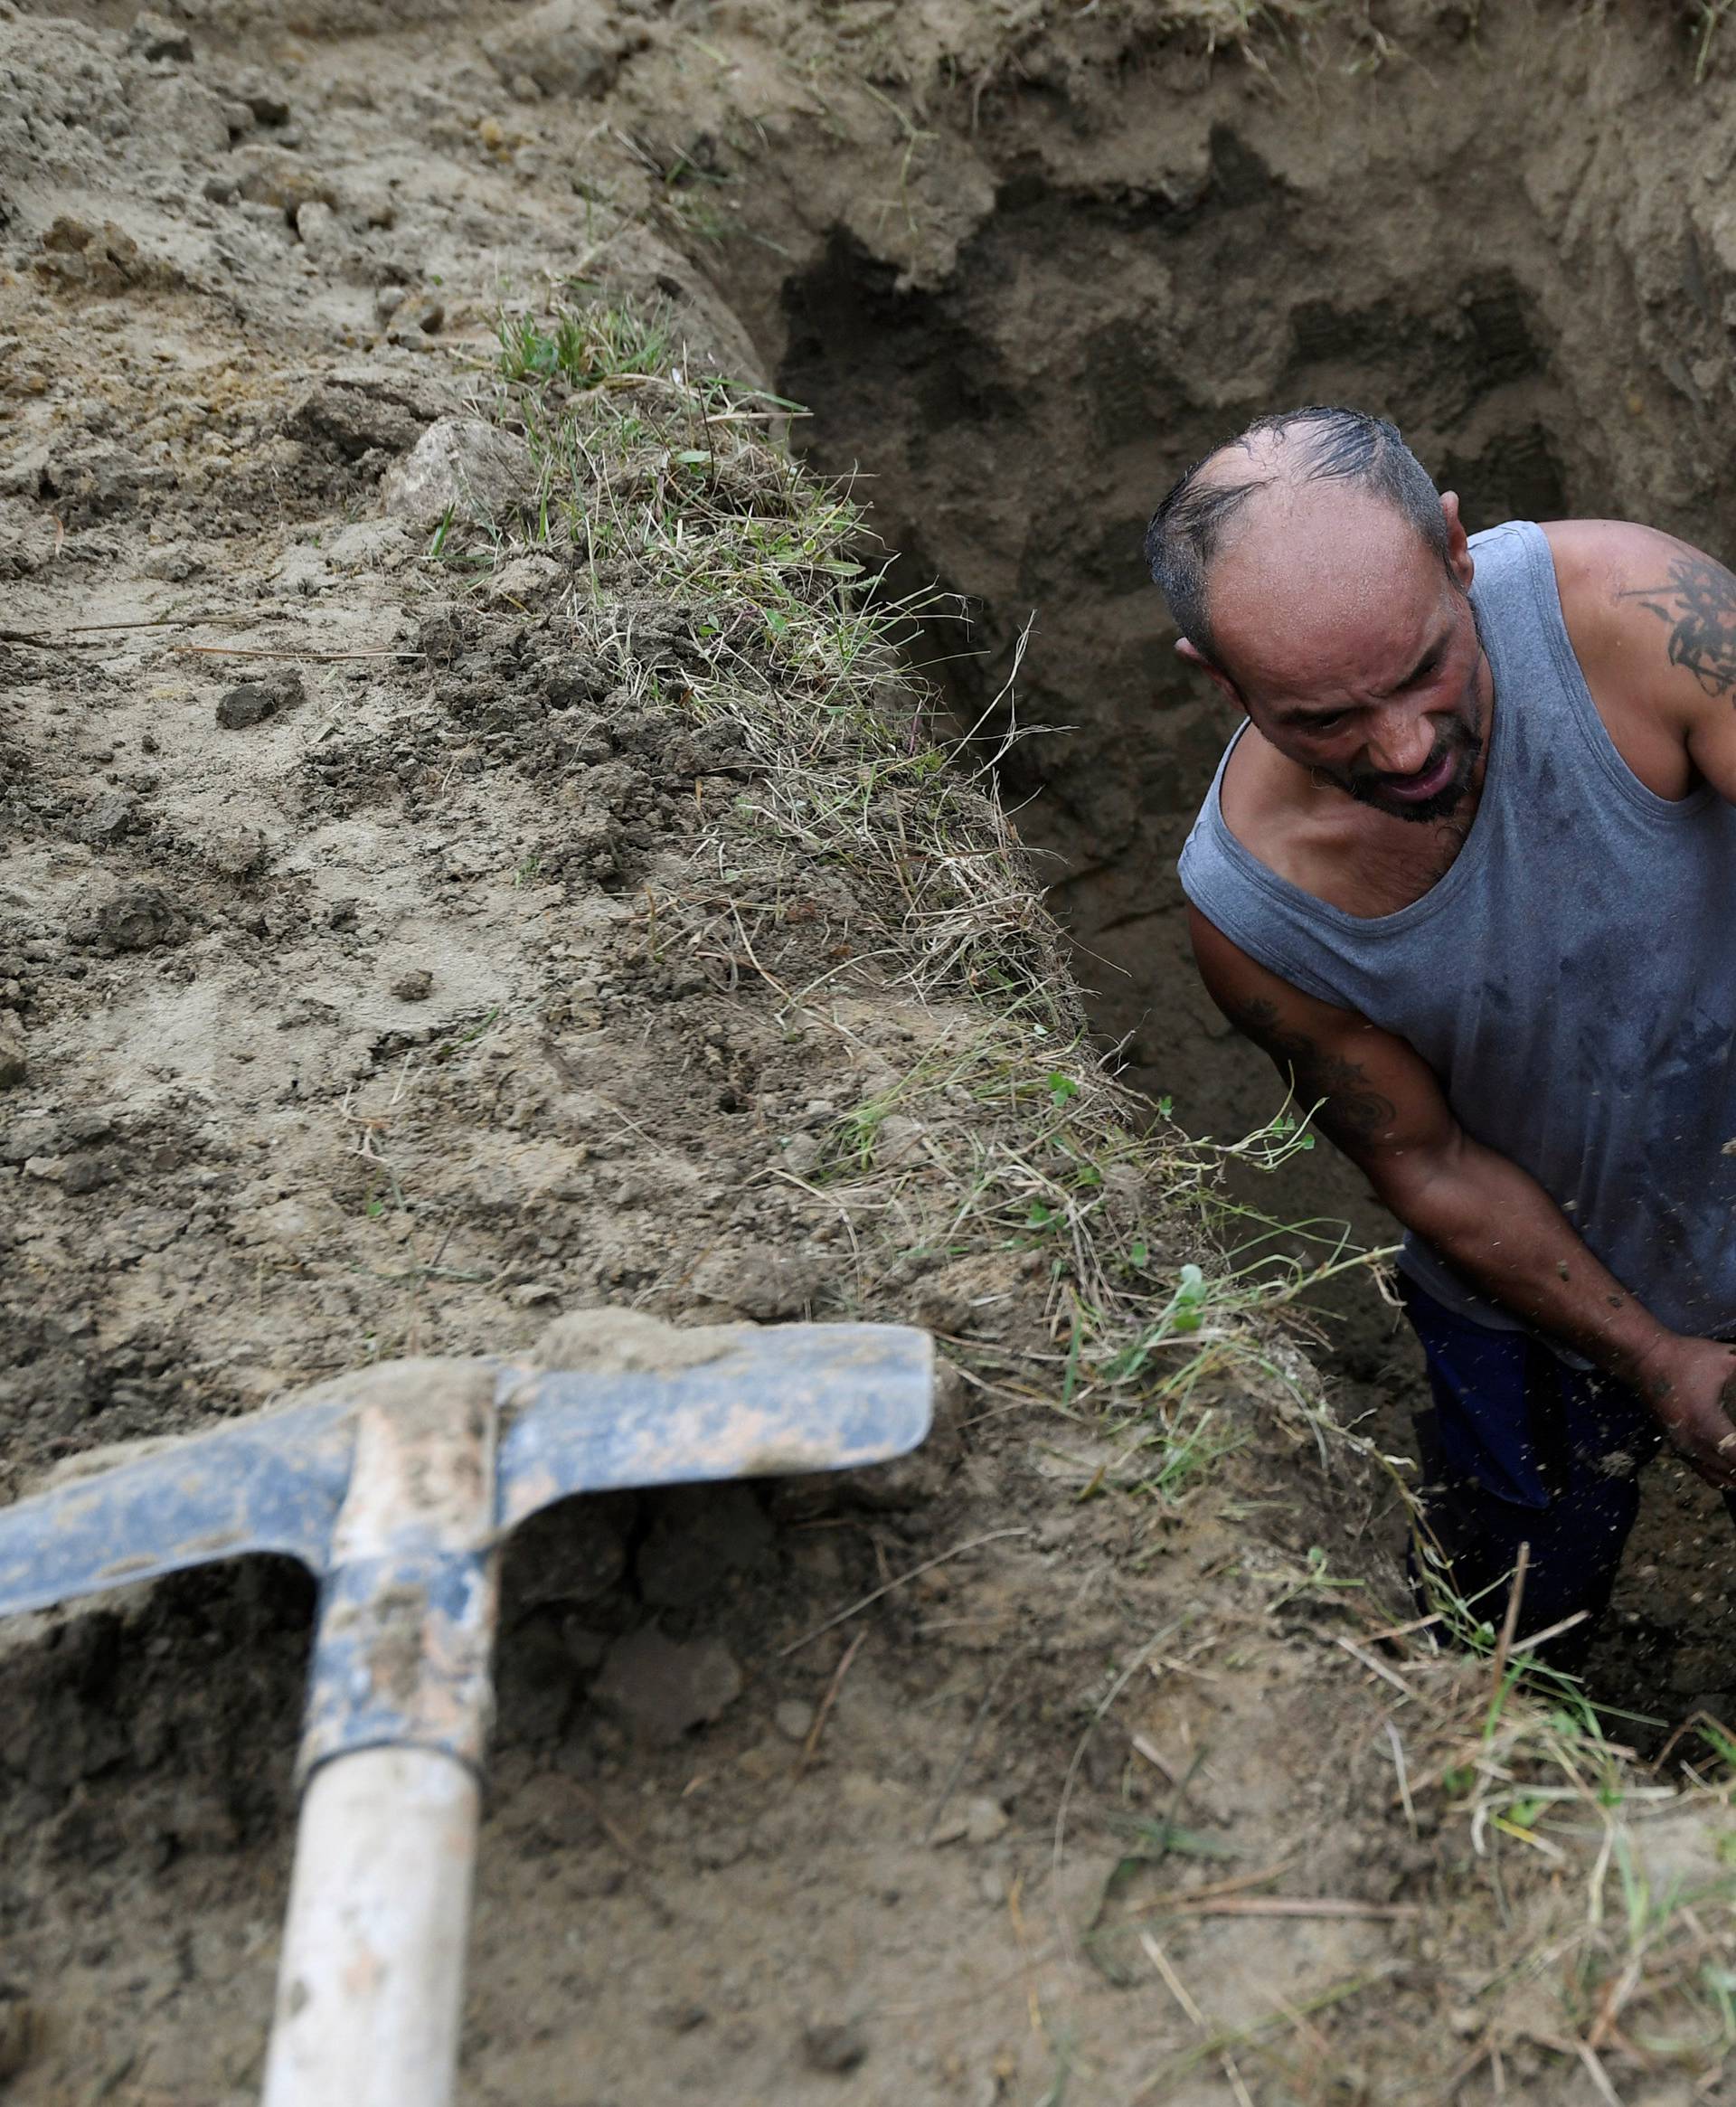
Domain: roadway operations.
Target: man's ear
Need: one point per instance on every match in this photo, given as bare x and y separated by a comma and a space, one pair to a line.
1459, 559
1220, 679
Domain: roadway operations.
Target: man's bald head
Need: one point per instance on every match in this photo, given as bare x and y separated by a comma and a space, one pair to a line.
1272, 480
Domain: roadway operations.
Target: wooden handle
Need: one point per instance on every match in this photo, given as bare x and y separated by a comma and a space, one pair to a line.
370, 1985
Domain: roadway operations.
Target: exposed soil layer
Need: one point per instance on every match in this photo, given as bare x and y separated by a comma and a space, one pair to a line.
390, 956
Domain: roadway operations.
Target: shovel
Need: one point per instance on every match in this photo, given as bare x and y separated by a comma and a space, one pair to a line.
397, 1487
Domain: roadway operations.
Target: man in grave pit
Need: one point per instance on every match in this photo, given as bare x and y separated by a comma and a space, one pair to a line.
1468, 874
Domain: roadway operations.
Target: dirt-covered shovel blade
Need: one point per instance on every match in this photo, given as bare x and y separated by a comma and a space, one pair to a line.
397, 1487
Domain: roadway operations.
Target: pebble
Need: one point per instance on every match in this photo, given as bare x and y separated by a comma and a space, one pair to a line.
459, 464
317, 224
978, 1821
662, 1687
14, 1066
794, 1719
836, 2047
245, 705
414, 987
153, 38
254, 701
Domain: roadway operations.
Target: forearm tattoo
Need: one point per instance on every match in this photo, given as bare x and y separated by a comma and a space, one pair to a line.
1699, 604
1349, 1108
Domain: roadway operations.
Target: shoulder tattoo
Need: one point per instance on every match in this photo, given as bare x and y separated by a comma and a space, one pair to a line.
1347, 1106
1698, 600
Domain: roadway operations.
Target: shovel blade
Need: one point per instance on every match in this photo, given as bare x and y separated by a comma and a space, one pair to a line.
274, 1483
795, 1398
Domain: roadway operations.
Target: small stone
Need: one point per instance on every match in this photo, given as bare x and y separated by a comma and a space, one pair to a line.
108, 818
562, 48
68, 236
285, 182
663, 1689
152, 38
460, 465
246, 705
416, 986
985, 1820
524, 581
240, 119
269, 105
317, 224
801, 1153
89, 1174
13, 1064
836, 2047
254, 701
174, 563
794, 1719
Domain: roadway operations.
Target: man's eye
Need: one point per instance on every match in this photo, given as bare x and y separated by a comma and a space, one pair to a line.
1329, 722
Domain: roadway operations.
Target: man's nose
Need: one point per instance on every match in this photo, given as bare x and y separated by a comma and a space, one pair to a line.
1400, 742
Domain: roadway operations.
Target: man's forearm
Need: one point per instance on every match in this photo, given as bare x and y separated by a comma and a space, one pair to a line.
1497, 1227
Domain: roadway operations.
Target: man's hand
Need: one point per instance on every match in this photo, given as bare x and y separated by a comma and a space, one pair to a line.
1690, 1385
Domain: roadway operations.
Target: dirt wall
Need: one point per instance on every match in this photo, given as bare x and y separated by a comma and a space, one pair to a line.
416, 924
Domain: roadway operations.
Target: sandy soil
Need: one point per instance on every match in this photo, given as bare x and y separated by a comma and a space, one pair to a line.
336, 1024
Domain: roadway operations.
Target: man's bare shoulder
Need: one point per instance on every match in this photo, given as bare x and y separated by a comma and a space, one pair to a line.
1264, 803
1652, 620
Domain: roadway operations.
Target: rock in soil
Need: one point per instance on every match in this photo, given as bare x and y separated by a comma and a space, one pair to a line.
662, 1689
793, 1720
836, 2047
460, 465
12, 1068
566, 47
254, 701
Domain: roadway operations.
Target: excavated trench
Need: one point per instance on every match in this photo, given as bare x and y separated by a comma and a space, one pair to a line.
1499, 249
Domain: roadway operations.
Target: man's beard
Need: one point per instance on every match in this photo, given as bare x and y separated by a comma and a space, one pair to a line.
1368, 787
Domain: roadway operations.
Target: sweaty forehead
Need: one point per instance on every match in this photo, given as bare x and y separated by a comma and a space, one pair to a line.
1322, 586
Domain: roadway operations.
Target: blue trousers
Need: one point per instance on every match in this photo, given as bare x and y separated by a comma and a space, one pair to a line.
1529, 1452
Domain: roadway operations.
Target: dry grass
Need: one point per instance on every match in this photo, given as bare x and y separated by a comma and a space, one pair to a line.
1007, 1138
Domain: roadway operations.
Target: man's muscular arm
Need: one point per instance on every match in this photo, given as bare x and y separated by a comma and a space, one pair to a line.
1377, 1099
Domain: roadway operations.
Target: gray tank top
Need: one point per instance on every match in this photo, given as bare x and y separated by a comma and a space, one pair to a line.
1572, 980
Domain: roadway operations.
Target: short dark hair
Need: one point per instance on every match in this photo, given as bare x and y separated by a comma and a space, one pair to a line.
1335, 445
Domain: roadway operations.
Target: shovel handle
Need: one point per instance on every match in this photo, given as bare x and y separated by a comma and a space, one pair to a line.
370, 1985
